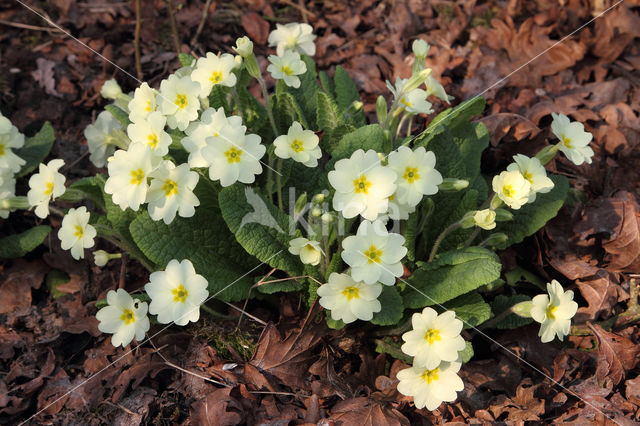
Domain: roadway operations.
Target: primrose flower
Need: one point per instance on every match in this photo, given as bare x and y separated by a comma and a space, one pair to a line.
414, 102
293, 36
309, 251
76, 233
234, 156
244, 46
287, 67
179, 101
434, 338
7, 190
10, 138
534, 172
436, 89
362, 185
431, 387
212, 70
171, 192
128, 173
485, 219
512, 188
100, 138
554, 312
110, 89
399, 211
176, 293
300, 145
349, 300
416, 174
150, 131
210, 124
46, 186
374, 254
574, 141
124, 317
143, 103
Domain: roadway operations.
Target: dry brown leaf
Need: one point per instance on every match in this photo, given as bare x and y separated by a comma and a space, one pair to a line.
503, 124
15, 291
256, 27
218, 408
366, 412
620, 352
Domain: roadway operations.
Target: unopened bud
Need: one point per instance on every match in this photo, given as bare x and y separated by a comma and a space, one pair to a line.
318, 198
316, 212
420, 48
327, 218
101, 257
381, 109
467, 220
301, 203
453, 184
547, 153
523, 309
110, 89
244, 46
496, 239
485, 219
503, 215
416, 80
252, 66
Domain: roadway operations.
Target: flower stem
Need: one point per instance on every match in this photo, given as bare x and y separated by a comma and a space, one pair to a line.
440, 238
472, 237
267, 103
279, 181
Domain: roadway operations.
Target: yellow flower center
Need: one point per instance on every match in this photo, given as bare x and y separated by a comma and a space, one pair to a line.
566, 141
152, 140
79, 231
373, 254
128, 316
551, 311
405, 102
286, 70
179, 294
392, 197
508, 191
233, 155
430, 375
528, 176
297, 145
292, 41
170, 188
137, 176
411, 174
351, 293
49, 189
361, 185
1, 149
181, 101
432, 335
216, 77
148, 108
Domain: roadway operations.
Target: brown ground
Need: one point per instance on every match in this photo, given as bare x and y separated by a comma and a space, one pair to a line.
299, 371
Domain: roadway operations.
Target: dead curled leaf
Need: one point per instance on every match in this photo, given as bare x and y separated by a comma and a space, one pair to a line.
366, 412
217, 408
620, 353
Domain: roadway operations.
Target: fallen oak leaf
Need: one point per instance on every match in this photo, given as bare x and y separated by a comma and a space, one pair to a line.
218, 408
366, 412
620, 352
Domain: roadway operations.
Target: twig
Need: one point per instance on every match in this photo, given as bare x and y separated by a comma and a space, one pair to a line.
203, 20
136, 41
184, 370
174, 27
253, 317
30, 27
123, 270
303, 10
76, 161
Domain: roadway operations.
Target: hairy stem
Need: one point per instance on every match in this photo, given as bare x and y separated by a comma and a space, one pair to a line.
440, 238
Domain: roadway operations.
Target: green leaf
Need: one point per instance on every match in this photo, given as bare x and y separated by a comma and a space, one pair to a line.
260, 227
501, 303
119, 115
451, 118
254, 114
305, 95
334, 324
327, 84
327, 116
186, 59
391, 347
218, 98
346, 94
88, 188
54, 279
467, 353
281, 286
36, 149
531, 217
452, 274
288, 110
392, 307
18, 245
470, 308
366, 138
205, 240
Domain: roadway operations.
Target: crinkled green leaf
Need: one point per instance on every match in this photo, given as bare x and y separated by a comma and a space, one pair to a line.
305, 95
186, 59
452, 274
392, 307
366, 138
36, 149
467, 353
205, 240
260, 227
470, 308
531, 217
288, 110
346, 94
17, 245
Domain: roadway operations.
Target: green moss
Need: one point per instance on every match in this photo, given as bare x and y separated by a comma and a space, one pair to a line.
483, 19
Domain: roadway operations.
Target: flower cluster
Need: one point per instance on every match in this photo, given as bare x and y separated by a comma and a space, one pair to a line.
10, 163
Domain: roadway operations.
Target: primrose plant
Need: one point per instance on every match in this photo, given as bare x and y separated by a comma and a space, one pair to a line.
218, 194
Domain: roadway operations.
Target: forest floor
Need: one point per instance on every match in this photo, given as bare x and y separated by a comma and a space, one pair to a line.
296, 371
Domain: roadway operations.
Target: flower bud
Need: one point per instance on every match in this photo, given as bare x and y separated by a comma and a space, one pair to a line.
110, 89
318, 198
381, 109
327, 218
503, 215
485, 219
100, 257
467, 220
244, 46
547, 153
252, 66
301, 203
496, 239
453, 184
416, 80
420, 48
496, 202
316, 212
523, 309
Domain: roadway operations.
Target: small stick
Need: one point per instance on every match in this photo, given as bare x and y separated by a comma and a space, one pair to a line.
29, 27
136, 41
203, 20
174, 28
